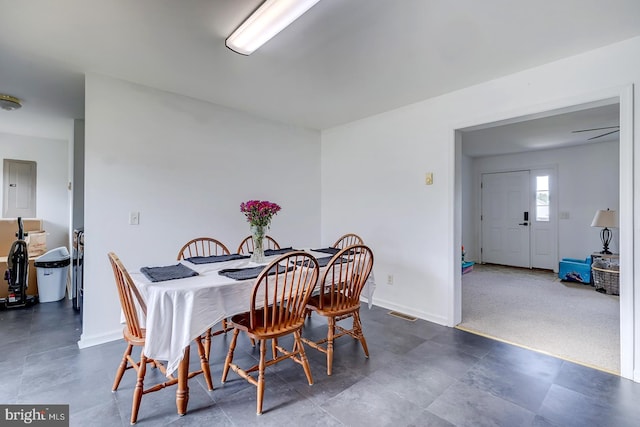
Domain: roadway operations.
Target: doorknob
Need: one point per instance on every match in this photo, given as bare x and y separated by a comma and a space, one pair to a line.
523, 223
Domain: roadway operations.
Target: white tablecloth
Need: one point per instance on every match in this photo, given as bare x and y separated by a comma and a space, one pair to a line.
180, 310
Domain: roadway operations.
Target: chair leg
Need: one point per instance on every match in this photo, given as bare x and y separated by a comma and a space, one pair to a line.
303, 356
229, 359
207, 343
204, 363
357, 328
122, 367
274, 344
261, 366
182, 392
137, 392
331, 330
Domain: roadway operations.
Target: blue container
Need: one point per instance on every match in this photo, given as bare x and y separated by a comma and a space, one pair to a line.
467, 266
575, 270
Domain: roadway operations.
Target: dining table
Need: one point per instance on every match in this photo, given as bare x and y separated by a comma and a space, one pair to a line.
181, 309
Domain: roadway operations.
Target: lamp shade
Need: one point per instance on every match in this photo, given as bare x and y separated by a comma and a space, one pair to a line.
608, 219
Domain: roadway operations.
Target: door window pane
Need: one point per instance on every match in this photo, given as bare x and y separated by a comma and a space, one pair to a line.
542, 198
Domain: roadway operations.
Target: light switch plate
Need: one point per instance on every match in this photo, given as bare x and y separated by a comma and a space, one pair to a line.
134, 218
428, 179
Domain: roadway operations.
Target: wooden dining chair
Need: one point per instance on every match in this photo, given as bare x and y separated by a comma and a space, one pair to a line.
131, 301
202, 246
246, 246
347, 240
339, 298
206, 246
278, 304
342, 242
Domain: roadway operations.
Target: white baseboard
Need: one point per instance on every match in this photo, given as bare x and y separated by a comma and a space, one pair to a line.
99, 339
440, 320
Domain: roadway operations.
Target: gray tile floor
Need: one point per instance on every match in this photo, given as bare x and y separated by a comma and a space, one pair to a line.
419, 374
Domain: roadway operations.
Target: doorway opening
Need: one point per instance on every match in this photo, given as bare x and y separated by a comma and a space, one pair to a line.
621, 101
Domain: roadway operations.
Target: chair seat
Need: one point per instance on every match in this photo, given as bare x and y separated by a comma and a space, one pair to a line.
242, 321
133, 340
328, 309
575, 270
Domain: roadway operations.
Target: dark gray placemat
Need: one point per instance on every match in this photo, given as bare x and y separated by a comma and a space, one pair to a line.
331, 251
169, 272
248, 273
214, 258
269, 252
322, 262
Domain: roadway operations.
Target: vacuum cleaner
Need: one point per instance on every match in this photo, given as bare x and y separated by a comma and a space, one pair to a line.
17, 274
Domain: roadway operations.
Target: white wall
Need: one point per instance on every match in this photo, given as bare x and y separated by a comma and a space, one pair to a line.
186, 166
588, 180
412, 227
52, 198
373, 184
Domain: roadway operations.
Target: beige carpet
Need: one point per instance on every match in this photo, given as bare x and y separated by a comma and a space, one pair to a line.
534, 309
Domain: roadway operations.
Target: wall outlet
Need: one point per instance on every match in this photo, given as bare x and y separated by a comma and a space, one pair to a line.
390, 279
134, 218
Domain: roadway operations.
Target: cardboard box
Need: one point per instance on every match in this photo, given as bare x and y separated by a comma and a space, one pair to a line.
36, 243
9, 229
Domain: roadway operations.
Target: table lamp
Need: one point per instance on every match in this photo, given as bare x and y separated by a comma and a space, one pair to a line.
605, 219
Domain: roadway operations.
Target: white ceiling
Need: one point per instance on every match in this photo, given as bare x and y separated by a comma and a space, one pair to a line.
341, 61
552, 129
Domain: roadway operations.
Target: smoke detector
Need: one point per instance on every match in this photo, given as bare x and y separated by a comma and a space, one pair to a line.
9, 103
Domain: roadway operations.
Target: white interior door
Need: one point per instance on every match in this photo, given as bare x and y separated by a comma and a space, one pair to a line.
19, 189
505, 218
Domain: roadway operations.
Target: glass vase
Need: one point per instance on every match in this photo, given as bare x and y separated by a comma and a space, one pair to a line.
257, 233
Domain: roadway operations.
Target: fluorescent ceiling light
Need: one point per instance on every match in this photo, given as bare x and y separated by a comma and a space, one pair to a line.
268, 20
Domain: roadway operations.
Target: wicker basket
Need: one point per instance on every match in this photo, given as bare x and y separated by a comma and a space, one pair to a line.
606, 281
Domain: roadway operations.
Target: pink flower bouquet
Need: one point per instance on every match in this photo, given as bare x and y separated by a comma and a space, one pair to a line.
259, 212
